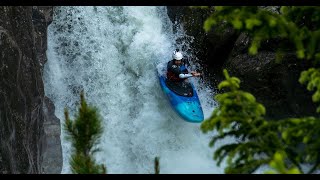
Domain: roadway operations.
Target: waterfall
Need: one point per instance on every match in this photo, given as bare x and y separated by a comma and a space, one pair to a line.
110, 53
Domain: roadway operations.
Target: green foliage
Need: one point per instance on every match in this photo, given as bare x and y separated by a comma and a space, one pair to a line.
299, 25
291, 142
259, 141
279, 166
311, 77
82, 164
84, 133
301, 138
241, 117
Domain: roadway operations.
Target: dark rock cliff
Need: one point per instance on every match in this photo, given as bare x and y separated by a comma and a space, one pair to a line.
275, 85
212, 48
29, 131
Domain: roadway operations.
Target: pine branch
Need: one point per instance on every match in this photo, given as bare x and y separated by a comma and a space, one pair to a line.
84, 133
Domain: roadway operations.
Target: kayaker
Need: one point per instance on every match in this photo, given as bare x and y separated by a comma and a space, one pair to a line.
175, 69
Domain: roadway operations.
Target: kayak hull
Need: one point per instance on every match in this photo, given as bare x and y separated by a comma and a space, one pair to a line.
189, 108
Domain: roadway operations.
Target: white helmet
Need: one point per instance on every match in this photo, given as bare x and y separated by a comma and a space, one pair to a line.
177, 55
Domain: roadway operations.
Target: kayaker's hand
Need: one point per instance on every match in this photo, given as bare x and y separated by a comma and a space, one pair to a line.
195, 74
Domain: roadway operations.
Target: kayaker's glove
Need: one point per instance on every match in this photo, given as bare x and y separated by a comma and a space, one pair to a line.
183, 76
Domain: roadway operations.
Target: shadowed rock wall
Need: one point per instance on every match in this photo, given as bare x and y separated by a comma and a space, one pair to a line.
28, 129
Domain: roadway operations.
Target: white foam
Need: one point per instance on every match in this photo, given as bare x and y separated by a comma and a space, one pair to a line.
110, 53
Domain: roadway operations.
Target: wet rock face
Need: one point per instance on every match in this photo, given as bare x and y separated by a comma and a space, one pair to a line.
192, 21
275, 85
212, 48
22, 117
51, 160
41, 18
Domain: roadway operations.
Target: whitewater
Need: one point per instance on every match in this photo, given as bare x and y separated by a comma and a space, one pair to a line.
111, 53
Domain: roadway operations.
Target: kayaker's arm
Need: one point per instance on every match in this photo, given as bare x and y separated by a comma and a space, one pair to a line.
193, 73
183, 76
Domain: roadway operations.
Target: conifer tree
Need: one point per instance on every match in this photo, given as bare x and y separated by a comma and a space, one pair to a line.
287, 144
84, 133
156, 165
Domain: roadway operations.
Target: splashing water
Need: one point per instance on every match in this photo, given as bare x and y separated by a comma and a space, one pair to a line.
110, 53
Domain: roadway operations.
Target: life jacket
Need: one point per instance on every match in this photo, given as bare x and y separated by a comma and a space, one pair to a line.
171, 76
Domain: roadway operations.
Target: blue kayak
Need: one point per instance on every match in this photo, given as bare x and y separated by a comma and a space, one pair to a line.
183, 98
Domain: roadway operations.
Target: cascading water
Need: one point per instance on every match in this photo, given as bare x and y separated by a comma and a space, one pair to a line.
110, 53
